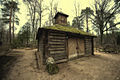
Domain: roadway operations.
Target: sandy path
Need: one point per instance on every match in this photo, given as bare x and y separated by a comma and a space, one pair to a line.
99, 67
24, 67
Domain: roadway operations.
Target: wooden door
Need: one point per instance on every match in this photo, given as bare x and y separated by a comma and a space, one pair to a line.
81, 47
72, 45
76, 47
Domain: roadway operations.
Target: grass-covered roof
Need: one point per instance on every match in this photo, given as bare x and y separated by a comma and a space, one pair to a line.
67, 29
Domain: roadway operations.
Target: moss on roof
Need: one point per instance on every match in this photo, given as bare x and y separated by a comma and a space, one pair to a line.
67, 29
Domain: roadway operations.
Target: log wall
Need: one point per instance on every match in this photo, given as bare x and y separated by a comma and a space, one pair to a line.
40, 49
57, 46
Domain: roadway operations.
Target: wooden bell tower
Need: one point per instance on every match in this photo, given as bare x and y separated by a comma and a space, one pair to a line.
61, 18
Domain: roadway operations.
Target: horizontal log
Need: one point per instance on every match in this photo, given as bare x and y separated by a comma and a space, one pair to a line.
50, 42
87, 41
56, 32
56, 49
56, 46
60, 58
57, 52
57, 38
87, 38
88, 47
63, 51
88, 44
60, 54
88, 50
58, 43
62, 35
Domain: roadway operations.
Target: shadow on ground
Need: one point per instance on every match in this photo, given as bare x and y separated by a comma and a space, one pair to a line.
6, 62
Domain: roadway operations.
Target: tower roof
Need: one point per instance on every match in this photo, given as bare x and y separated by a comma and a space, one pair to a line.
60, 13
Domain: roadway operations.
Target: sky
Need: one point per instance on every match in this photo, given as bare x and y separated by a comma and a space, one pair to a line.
67, 7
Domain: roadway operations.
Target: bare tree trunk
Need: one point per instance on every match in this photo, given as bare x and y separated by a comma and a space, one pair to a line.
36, 24
51, 13
77, 14
40, 19
87, 23
13, 26
34, 17
101, 37
40, 12
10, 25
27, 36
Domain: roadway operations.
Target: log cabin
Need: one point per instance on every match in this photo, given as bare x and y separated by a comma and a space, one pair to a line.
63, 42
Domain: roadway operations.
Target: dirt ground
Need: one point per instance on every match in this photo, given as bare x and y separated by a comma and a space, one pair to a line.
20, 64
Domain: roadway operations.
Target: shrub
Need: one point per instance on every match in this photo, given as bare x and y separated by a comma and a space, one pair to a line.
52, 69
16, 43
